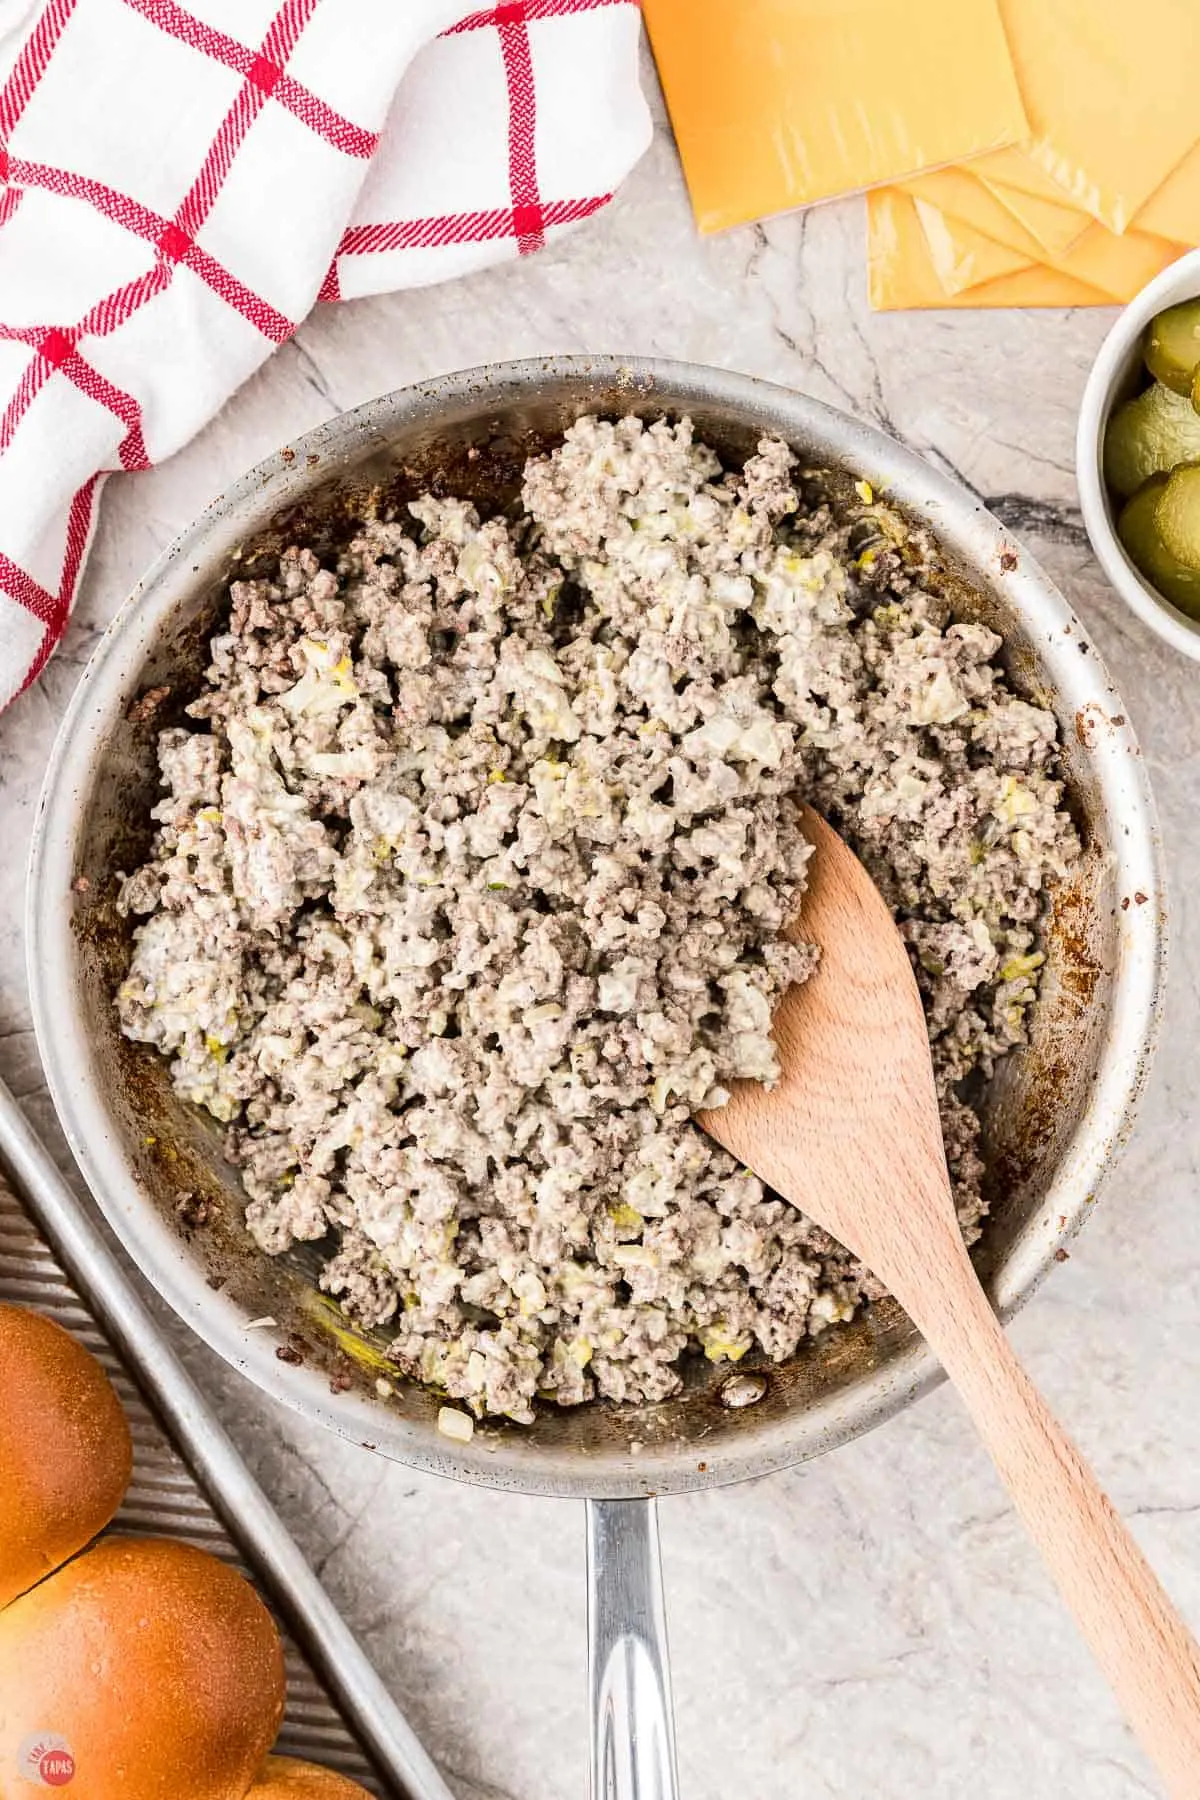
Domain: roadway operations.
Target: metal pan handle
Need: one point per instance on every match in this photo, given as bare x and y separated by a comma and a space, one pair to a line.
629, 1676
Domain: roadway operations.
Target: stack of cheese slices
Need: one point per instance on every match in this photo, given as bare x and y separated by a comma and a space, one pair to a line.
138, 1669
1016, 152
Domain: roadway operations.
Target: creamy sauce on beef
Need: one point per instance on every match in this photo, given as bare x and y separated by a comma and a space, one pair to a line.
469, 880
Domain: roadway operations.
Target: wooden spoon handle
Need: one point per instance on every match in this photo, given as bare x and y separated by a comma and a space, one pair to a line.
1142, 1645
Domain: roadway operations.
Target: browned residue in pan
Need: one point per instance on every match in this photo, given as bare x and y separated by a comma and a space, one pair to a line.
1052, 1090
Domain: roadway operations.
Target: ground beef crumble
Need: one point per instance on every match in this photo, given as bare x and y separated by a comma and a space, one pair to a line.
468, 882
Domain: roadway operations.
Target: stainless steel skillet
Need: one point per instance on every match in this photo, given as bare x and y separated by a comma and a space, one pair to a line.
1054, 1119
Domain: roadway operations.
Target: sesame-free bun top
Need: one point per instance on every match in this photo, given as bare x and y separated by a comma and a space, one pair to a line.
283, 1778
155, 1665
65, 1455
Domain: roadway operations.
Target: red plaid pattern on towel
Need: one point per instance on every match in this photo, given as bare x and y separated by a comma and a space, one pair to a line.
180, 182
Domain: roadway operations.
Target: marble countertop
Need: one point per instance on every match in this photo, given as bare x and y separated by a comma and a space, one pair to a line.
873, 1623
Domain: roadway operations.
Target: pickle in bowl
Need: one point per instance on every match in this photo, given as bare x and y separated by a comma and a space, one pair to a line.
1172, 352
1152, 461
1138, 530
1177, 514
1150, 435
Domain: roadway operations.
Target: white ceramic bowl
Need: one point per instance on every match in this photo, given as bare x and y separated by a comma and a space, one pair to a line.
1113, 378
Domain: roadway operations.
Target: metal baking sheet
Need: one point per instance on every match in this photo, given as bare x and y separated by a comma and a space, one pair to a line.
189, 1481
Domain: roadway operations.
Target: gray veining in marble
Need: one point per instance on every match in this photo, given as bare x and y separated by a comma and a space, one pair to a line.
875, 1623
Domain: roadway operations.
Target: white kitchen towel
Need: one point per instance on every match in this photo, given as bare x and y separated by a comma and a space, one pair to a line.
179, 184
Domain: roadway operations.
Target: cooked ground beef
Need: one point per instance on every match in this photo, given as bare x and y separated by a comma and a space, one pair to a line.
469, 879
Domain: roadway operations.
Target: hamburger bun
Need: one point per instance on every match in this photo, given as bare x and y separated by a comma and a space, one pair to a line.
153, 1667
283, 1778
65, 1454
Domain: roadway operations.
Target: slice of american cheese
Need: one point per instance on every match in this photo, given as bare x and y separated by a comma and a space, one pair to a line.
778, 103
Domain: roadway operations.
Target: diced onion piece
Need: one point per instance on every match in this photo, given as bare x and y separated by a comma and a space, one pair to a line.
459, 1426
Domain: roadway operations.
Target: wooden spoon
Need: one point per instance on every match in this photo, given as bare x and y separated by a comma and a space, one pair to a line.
850, 1133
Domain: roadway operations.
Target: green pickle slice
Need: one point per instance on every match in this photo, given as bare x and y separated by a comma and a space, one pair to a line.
1138, 530
1149, 435
1177, 515
1172, 348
